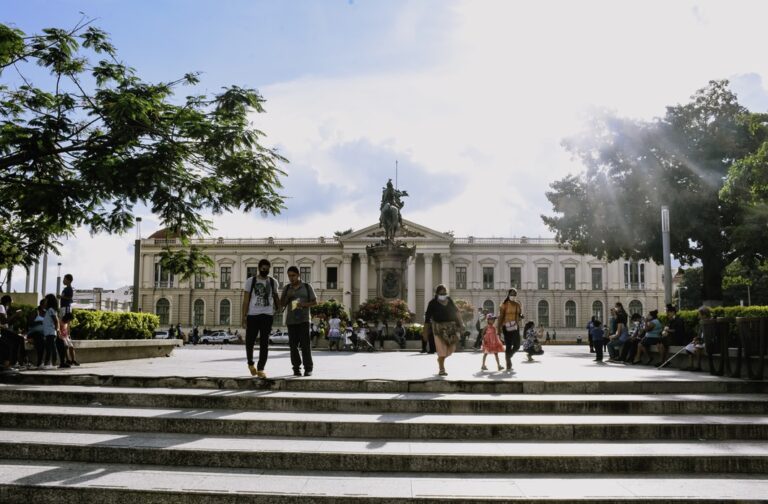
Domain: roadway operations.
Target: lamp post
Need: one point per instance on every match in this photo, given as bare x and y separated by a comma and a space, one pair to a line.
136, 266
58, 279
666, 253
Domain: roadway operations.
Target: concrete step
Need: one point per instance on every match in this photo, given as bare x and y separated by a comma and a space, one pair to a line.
386, 425
323, 454
578, 404
84, 483
498, 384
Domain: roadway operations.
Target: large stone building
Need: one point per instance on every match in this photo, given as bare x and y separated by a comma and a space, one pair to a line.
558, 288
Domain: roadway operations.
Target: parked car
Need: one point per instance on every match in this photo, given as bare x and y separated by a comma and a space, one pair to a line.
278, 337
162, 335
218, 337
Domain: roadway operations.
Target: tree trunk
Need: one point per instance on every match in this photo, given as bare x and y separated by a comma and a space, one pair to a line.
712, 267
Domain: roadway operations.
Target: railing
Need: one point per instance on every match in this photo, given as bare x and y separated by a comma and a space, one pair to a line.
472, 240
634, 286
330, 241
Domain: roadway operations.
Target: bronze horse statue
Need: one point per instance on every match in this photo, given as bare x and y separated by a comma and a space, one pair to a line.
390, 221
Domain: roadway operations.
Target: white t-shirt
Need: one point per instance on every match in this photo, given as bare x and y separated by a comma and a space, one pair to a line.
262, 302
3, 312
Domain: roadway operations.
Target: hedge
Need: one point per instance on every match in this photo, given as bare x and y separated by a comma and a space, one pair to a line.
101, 325
691, 317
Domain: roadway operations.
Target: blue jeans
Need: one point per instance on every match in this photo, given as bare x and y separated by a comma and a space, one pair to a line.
614, 347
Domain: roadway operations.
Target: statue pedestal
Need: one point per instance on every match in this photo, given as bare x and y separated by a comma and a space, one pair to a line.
391, 266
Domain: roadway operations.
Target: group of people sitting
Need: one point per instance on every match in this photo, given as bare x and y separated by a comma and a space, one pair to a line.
631, 339
357, 335
48, 331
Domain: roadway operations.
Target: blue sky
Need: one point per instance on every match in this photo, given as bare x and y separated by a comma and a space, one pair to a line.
473, 98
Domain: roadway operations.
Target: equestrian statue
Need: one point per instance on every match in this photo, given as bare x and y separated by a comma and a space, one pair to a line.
391, 204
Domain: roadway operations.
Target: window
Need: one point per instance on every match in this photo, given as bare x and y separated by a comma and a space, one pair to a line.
279, 273
226, 277
543, 312
489, 307
487, 278
163, 278
305, 274
597, 310
635, 306
163, 311
198, 313
543, 274
570, 278
570, 314
515, 277
597, 279
251, 271
634, 276
199, 281
224, 308
332, 277
461, 277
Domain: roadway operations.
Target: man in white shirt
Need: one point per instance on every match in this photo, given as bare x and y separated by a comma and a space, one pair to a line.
261, 301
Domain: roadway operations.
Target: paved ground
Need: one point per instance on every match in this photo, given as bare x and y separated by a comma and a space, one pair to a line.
559, 363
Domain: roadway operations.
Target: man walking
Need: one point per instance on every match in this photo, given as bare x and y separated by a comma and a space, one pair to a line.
298, 297
260, 303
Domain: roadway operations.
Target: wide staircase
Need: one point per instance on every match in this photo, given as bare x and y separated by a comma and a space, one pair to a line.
108, 439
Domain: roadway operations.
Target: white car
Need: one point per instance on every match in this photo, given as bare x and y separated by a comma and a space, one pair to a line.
218, 337
278, 337
162, 335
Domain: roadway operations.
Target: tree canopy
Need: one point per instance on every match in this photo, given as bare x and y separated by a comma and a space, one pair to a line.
383, 309
94, 140
634, 167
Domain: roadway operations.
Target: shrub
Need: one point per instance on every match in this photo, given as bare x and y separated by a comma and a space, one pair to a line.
329, 308
691, 317
101, 325
413, 331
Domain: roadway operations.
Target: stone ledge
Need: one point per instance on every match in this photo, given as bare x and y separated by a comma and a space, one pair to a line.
87, 351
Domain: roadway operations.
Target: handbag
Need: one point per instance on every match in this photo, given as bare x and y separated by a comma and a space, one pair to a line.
446, 331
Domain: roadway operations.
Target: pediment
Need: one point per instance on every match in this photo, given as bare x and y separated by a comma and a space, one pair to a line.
410, 232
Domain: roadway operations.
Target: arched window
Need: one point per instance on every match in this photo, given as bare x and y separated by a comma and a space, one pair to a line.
198, 313
543, 312
163, 310
489, 307
635, 306
570, 314
597, 310
224, 308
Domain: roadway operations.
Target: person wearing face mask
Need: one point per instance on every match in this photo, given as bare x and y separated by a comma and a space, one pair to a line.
260, 304
508, 324
443, 321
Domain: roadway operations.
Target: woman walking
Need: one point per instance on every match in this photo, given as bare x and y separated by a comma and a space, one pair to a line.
443, 321
508, 324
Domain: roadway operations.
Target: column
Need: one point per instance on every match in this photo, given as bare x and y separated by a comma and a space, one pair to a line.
29, 274
429, 287
445, 260
363, 277
37, 278
43, 285
346, 275
412, 284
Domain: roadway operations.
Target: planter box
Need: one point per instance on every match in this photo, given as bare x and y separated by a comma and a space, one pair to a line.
111, 350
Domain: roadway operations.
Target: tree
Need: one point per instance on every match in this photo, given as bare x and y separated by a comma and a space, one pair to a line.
747, 284
689, 290
97, 140
634, 167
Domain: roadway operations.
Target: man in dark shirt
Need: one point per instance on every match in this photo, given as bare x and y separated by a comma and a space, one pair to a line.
67, 295
673, 333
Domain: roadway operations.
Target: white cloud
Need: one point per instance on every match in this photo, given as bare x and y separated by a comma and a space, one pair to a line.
514, 80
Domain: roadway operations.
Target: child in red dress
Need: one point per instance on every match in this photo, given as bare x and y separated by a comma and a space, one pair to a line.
491, 343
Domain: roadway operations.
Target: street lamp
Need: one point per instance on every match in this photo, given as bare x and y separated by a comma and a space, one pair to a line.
666, 253
58, 279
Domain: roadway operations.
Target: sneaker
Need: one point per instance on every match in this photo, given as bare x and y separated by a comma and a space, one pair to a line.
484, 368
296, 372
64, 366
252, 369
75, 363
47, 367
261, 374
308, 373
442, 373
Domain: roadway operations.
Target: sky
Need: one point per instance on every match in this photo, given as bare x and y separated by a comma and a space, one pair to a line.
472, 99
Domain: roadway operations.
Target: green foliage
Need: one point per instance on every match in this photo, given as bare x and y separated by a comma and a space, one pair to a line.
329, 309
413, 331
612, 209
385, 310
739, 277
339, 234
97, 140
101, 325
690, 289
692, 320
22, 322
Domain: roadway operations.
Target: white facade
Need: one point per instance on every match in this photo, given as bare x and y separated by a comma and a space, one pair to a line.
557, 287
